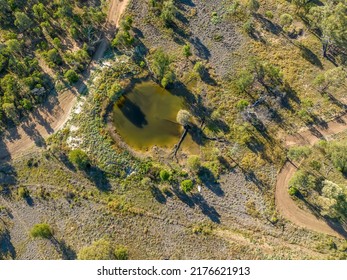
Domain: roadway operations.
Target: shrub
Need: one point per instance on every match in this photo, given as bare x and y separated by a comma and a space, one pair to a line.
23, 192
242, 104
248, 26
98, 250
269, 14
187, 185
199, 68
297, 153
164, 175
121, 253
79, 158
293, 191
41, 230
186, 51
71, 76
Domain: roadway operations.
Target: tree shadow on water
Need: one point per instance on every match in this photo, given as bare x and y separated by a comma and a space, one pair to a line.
133, 113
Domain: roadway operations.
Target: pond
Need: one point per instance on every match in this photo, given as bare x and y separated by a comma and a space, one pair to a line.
146, 116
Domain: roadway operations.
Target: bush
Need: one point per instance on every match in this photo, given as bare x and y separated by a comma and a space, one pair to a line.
199, 68
41, 230
79, 158
297, 153
71, 76
187, 185
98, 250
23, 192
242, 104
121, 253
186, 51
293, 191
164, 175
269, 14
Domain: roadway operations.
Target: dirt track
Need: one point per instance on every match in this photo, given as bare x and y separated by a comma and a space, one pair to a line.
52, 115
284, 203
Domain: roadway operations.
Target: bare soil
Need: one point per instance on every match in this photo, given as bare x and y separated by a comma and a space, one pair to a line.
285, 204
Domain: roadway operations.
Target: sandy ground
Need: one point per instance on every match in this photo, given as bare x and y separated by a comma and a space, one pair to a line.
54, 113
285, 204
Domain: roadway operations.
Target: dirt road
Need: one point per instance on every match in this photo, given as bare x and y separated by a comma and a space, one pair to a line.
54, 113
284, 203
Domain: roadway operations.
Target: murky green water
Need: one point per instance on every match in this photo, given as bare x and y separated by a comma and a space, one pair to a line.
146, 116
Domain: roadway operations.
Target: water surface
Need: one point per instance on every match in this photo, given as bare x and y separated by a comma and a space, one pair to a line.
146, 116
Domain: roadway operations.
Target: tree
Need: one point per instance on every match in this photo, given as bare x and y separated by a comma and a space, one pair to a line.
244, 81
41, 230
331, 19
71, 76
303, 182
286, 20
194, 163
332, 78
79, 158
22, 21
168, 12
338, 155
161, 68
253, 5
183, 117
187, 186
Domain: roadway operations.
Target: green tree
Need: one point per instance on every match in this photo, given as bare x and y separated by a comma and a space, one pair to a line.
22, 21
79, 158
331, 79
253, 5
41, 230
338, 155
194, 163
244, 81
286, 20
161, 68
71, 76
331, 19
168, 12
199, 68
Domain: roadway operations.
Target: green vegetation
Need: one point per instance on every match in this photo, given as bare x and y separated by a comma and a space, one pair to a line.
38, 35
71, 76
79, 158
41, 231
187, 186
161, 66
164, 175
102, 250
23, 192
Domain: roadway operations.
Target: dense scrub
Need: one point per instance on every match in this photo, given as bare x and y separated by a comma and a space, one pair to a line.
42, 45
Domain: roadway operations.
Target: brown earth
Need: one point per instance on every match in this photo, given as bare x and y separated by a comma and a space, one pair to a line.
285, 204
54, 113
